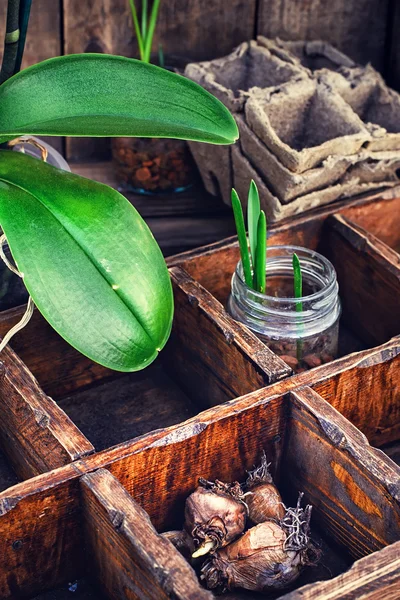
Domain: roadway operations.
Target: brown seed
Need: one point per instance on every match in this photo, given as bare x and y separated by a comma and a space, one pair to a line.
262, 497
291, 361
214, 515
312, 360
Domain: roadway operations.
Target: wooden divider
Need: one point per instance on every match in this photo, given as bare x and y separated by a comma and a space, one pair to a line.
375, 577
369, 282
215, 357
35, 434
126, 553
354, 488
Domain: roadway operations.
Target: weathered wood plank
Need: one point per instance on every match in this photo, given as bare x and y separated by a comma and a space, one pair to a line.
41, 534
59, 368
366, 390
127, 555
356, 27
161, 468
379, 218
214, 357
35, 434
175, 234
369, 281
200, 30
354, 488
374, 577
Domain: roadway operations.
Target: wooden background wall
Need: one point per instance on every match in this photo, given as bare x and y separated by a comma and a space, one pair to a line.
201, 29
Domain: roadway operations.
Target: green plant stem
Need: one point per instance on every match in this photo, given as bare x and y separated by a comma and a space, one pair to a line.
24, 13
137, 30
161, 60
253, 213
11, 41
261, 253
298, 293
241, 232
144, 19
150, 32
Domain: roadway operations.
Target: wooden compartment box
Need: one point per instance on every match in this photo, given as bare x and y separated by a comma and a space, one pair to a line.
88, 518
67, 423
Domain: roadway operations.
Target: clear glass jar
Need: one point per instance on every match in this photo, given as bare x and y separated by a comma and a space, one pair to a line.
54, 157
303, 338
152, 166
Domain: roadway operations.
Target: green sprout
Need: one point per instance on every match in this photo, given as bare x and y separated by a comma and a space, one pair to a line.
145, 29
253, 259
298, 293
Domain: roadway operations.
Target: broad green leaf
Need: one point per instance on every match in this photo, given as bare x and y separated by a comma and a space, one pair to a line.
101, 95
89, 262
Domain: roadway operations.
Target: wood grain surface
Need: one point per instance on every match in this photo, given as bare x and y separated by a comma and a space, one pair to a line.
35, 434
375, 577
132, 561
354, 488
356, 27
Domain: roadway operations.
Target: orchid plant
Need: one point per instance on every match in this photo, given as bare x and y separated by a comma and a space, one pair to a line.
88, 260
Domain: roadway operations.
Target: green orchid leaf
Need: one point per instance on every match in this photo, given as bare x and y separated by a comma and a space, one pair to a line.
101, 95
88, 260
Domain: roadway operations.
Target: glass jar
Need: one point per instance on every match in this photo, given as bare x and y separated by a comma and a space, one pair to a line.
152, 166
54, 157
305, 335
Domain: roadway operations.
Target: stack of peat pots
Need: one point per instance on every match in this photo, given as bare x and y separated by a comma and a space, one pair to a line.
314, 126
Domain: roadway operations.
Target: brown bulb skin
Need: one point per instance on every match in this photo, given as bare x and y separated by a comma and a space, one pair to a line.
214, 515
262, 497
257, 561
264, 502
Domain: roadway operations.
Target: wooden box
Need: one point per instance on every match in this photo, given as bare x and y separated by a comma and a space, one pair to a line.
98, 448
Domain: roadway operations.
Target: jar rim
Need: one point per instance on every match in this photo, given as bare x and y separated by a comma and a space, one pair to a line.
331, 279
